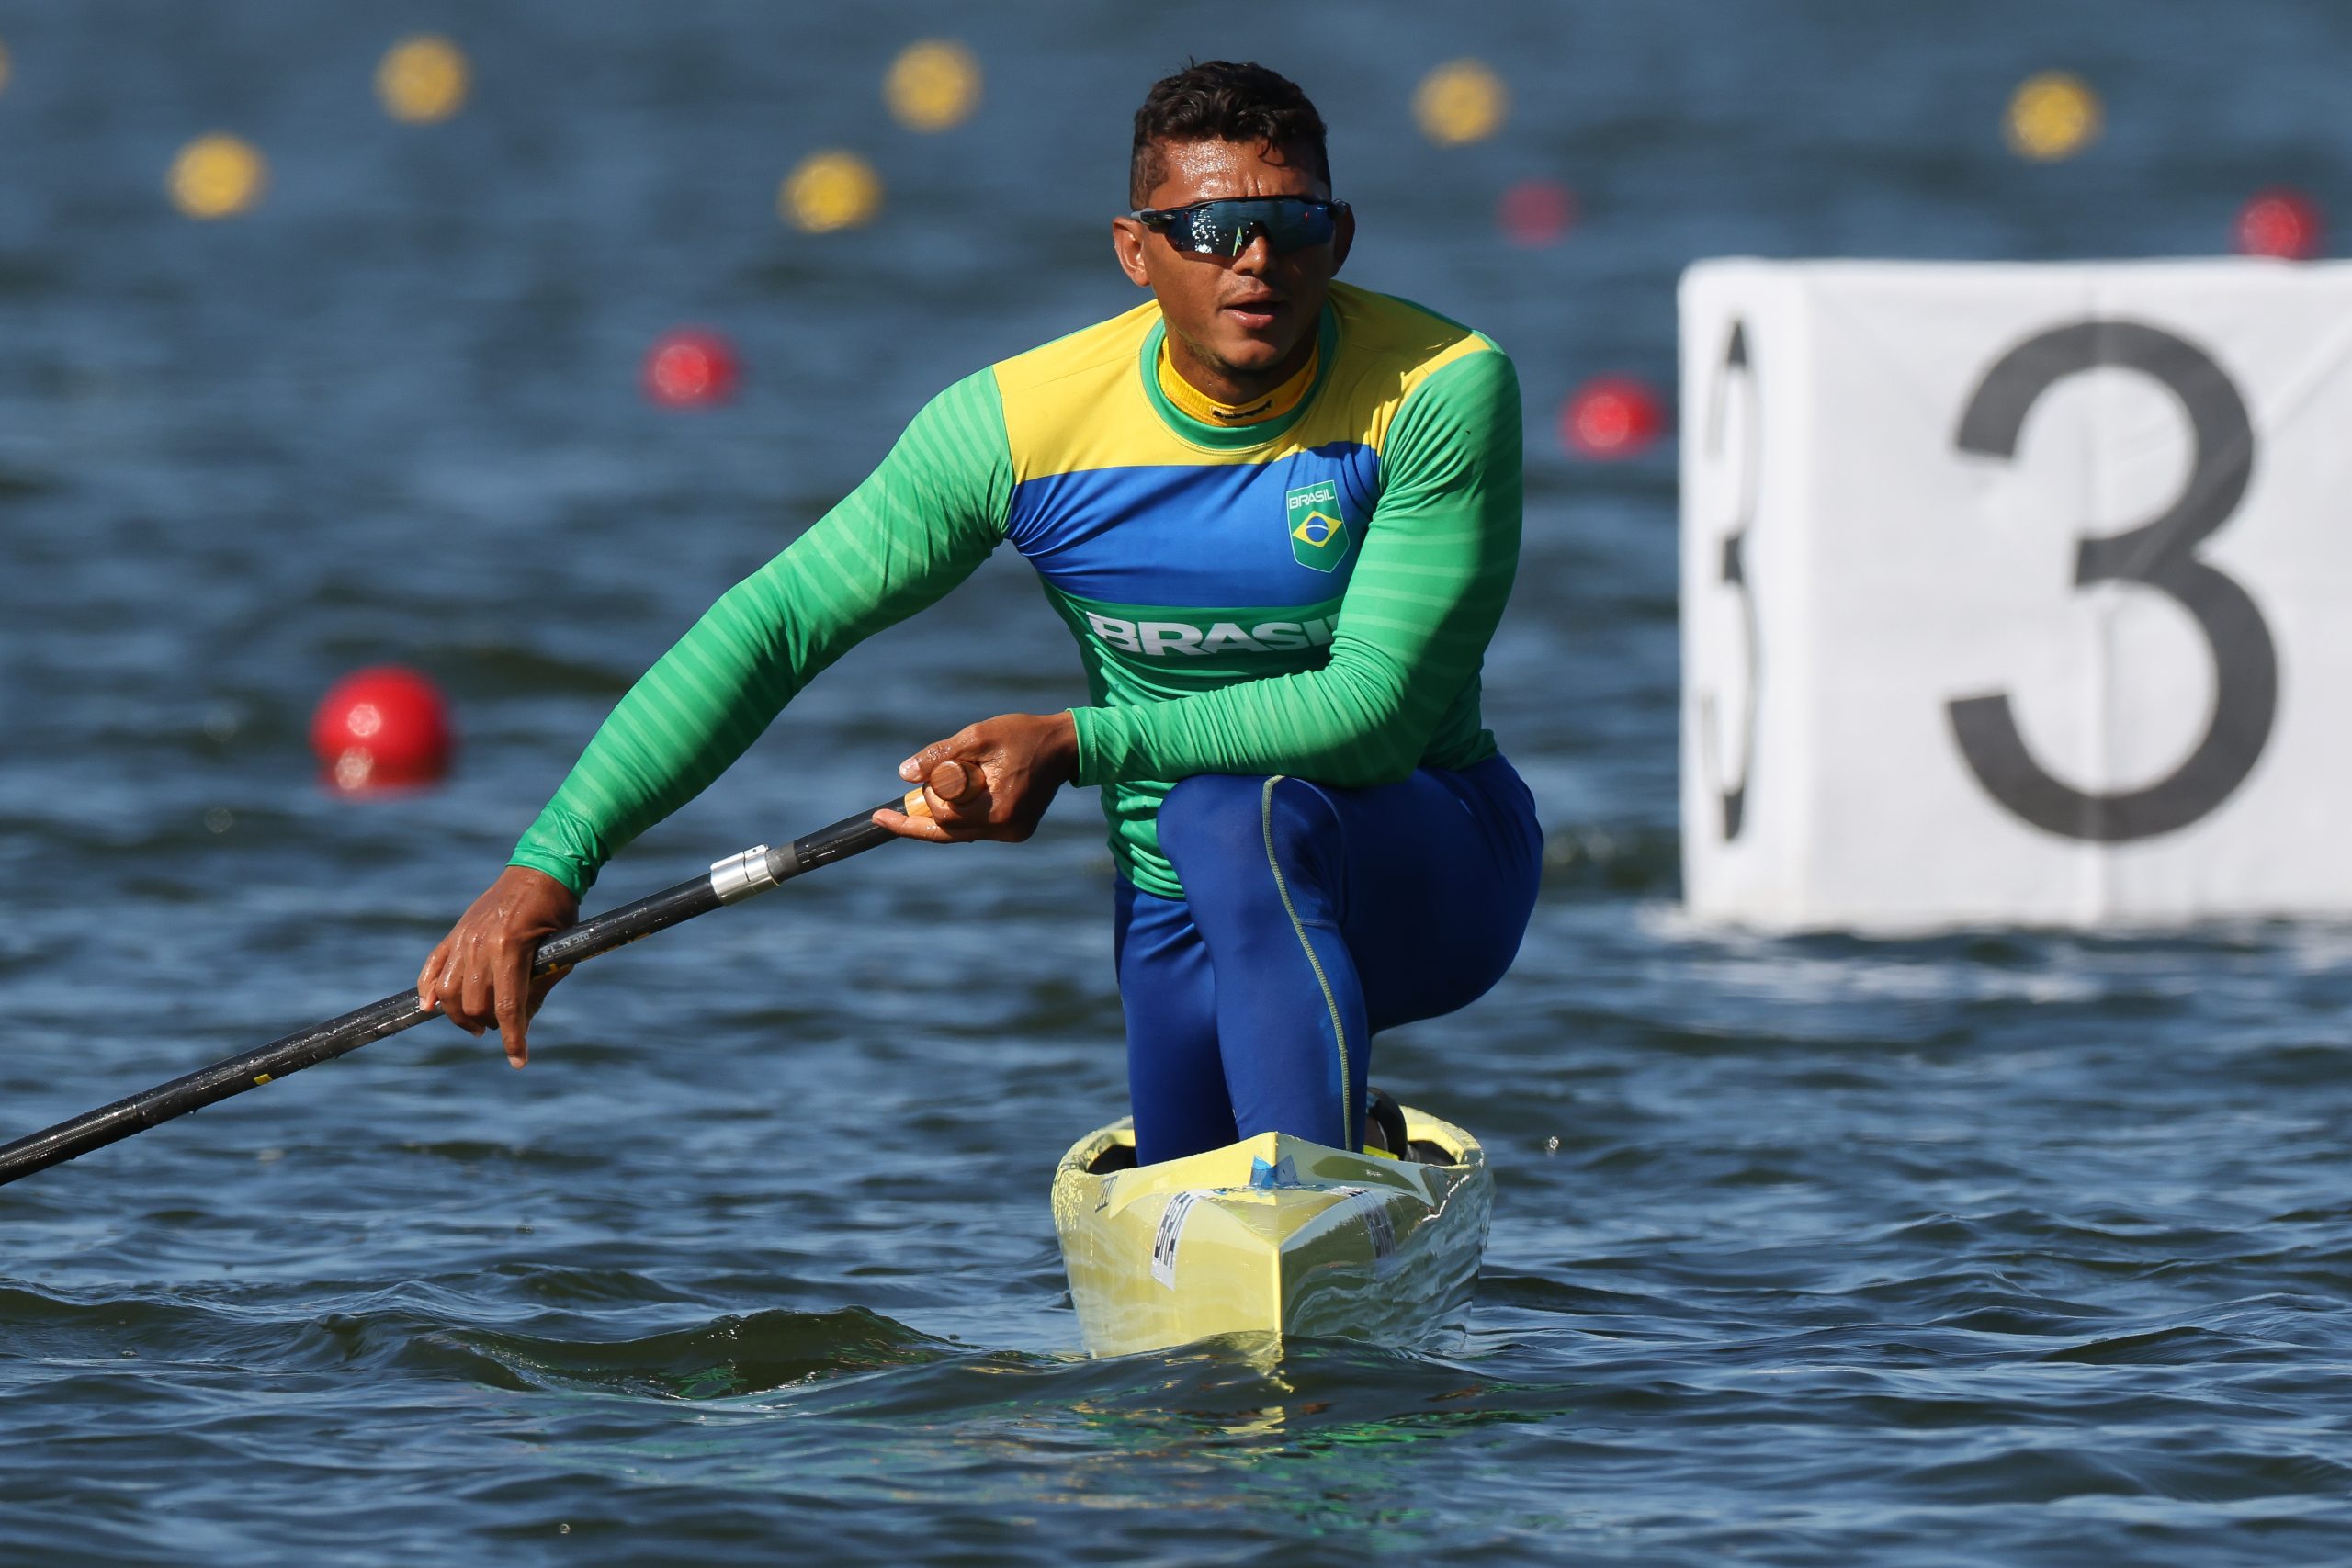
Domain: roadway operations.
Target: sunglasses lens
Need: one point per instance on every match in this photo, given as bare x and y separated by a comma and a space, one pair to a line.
1195, 230
1225, 228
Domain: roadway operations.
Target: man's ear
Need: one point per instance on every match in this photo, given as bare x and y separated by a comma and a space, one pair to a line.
1127, 239
1344, 238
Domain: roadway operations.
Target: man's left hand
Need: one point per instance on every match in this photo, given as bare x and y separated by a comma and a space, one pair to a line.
1007, 772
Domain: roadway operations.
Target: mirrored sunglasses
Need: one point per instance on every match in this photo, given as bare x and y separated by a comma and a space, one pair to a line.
1225, 227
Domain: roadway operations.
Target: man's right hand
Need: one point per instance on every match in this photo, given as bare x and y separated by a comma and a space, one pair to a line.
480, 974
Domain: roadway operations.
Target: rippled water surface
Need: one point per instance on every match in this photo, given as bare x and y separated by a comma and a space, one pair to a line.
1995, 1248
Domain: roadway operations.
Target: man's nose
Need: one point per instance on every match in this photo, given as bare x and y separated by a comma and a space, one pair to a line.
1256, 253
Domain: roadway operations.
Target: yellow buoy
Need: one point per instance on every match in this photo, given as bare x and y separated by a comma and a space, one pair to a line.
831, 190
2054, 114
933, 84
422, 79
217, 175
1461, 101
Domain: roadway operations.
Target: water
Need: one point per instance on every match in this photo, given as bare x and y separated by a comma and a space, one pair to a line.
1992, 1248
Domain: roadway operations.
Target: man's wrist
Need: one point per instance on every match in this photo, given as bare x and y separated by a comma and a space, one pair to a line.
565, 874
1062, 745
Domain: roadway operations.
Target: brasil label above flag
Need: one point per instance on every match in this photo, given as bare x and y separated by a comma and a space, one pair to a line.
1319, 535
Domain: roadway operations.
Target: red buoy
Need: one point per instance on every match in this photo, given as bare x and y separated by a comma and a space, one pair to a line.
382, 727
1536, 212
690, 368
2280, 223
1611, 416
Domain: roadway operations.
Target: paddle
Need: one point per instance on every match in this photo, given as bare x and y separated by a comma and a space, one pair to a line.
728, 881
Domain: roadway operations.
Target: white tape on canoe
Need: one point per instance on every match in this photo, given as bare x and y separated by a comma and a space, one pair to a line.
1376, 1224
1171, 1231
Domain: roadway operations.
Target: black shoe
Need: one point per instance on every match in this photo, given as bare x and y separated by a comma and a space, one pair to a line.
1385, 1119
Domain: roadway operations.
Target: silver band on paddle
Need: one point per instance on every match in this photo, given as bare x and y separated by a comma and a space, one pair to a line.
740, 875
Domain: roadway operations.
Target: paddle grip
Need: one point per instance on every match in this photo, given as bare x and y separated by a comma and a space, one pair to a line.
953, 782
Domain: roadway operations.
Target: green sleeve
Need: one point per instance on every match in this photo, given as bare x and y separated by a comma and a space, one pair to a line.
921, 523
1414, 624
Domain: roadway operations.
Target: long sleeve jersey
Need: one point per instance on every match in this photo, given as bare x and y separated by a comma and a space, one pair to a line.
1309, 595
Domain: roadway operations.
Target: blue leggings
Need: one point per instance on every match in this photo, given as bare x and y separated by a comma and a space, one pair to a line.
1312, 918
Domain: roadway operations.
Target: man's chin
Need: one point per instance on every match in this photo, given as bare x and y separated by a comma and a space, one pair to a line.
1244, 353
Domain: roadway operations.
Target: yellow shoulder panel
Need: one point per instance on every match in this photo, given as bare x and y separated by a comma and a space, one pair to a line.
1078, 403
1387, 348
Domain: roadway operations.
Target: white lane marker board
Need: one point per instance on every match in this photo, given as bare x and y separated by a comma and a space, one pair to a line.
2014, 593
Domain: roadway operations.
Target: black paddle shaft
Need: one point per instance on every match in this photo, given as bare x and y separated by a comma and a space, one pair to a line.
728, 881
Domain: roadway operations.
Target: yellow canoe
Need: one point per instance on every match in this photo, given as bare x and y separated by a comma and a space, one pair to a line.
1273, 1235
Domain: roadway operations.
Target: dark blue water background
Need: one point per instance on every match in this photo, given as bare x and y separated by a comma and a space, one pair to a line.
1992, 1248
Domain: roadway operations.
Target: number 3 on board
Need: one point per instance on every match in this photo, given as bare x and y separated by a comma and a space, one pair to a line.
2161, 555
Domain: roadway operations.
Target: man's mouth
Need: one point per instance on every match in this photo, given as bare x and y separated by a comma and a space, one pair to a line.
1256, 311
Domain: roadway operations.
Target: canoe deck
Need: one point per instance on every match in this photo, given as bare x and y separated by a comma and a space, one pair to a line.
1271, 1235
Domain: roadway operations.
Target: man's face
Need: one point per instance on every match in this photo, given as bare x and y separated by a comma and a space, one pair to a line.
1240, 318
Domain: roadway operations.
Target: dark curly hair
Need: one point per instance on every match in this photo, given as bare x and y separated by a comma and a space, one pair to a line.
1220, 100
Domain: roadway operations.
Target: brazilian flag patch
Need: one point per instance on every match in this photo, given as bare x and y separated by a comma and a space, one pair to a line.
1319, 535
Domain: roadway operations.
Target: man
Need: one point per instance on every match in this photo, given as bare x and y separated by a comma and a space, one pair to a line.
1281, 515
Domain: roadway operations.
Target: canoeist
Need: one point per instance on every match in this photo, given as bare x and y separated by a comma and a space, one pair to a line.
1281, 515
